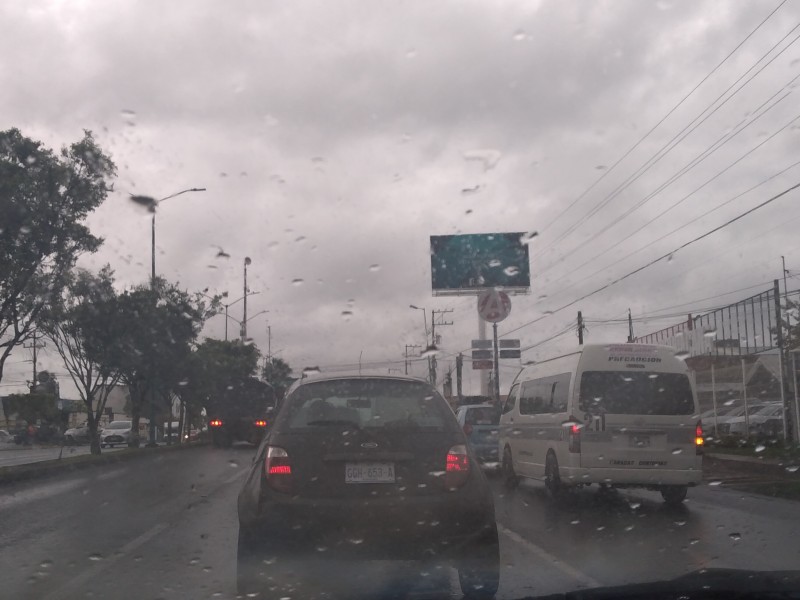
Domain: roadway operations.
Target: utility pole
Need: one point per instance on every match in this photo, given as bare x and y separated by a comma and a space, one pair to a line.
459, 371
247, 262
496, 366
630, 327
786, 303
432, 359
34, 346
406, 353
580, 328
779, 334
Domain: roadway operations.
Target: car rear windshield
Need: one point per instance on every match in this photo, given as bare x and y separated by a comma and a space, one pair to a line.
624, 393
484, 415
367, 404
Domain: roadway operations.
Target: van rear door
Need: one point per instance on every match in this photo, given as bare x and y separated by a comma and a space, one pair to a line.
637, 419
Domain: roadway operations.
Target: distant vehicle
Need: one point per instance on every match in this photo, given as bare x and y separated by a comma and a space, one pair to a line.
766, 420
480, 423
377, 459
243, 416
736, 415
176, 431
619, 415
5, 437
117, 433
77, 435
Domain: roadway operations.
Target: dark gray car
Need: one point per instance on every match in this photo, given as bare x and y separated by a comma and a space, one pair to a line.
366, 468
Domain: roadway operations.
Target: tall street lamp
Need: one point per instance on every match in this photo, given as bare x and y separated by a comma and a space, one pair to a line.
152, 432
227, 306
247, 262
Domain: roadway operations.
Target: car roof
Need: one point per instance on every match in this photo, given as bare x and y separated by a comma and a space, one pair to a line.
323, 377
484, 405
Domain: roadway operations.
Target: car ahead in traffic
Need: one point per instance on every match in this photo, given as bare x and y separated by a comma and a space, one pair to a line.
480, 423
117, 433
77, 435
619, 415
370, 468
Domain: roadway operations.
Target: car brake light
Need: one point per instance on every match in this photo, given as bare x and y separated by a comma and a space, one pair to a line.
215, 422
575, 439
260, 423
698, 438
467, 429
278, 469
456, 467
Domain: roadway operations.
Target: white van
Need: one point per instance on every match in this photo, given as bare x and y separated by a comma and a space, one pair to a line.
619, 415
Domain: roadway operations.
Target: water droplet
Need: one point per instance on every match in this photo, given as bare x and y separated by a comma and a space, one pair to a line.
471, 190
792, 468
577, 424
147, 202
629, 528
519, 35
526, 238
682, 355
297, 282
183, 382
436, 473
411, 53
693, 541
233, 464
735, 536
575, 522
194, 561
760, 448
347, 315
511, 271
653, 376
680, 523
46, 564
487, 157
312, 371
430, 351
322, 549
95, 557
677, 450
716, 482
468, 211
670, 258
495, 263
601, 528
356, 541
710, 333
635, 505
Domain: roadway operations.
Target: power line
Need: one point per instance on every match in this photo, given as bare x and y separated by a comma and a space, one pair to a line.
672, 143
664, 118
660, 258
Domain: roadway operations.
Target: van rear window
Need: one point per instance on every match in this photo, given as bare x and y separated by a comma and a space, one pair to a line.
626, 393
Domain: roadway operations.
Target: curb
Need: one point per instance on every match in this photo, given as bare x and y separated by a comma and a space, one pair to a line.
73, 463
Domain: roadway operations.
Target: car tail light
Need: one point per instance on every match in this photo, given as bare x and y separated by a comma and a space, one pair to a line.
278, 469
698, 438
260, 423
467, 429
215, 423
456, 467
574, 438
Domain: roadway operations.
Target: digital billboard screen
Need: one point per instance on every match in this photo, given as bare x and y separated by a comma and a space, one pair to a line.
470, 263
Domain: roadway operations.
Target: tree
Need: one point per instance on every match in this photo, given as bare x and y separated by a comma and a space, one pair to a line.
83, 324
278, 374
156, 351
32, 407
44, 199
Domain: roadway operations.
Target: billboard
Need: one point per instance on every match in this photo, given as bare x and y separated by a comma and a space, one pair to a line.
468, 264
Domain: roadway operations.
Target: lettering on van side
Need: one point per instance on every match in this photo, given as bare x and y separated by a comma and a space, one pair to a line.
642, 463
635, 359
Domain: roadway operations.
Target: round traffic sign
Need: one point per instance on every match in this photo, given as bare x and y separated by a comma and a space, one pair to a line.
494, 306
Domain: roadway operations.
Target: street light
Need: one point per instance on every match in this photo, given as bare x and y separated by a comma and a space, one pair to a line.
242, 323
153, 231
424, 318
231, 304
247, 262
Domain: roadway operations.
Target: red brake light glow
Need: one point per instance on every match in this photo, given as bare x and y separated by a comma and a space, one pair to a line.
260, 423
575, 438
456, 467
215, 422
698, 437
278, 469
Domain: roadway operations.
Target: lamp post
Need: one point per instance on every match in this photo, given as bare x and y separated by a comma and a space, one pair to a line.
152, 427
228, 305
242, 324
247, 262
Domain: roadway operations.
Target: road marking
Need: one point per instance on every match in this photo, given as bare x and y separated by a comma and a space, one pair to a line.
565, 568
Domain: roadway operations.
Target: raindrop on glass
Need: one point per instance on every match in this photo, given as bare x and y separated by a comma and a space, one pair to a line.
374, 268
347, 315
95, 557
760, 448
233, 464
716, 482
792, 468
297, 282
519, 35
511, 271
735, 536
677, 450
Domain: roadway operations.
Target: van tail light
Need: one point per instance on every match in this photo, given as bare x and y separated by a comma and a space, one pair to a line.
260, 423
574, 439
699, 440
278, 469
215, 423
467, 429
456, 470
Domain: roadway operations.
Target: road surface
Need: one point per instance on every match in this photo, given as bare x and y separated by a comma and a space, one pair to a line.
165, 527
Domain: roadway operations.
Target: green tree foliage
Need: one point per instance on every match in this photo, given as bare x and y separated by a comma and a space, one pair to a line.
84, 325
278, 374
156, 352
44, 199
32, 407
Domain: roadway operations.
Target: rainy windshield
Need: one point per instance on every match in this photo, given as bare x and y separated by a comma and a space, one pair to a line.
343, 298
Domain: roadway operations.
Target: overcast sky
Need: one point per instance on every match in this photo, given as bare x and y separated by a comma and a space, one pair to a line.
335, 137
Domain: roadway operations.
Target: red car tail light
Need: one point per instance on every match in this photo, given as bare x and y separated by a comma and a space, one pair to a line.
575, 439
698, 438
456, 467
260, 423
278, 469
215, 423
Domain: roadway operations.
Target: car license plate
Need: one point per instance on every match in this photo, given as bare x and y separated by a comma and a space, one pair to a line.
640, 441
373, 472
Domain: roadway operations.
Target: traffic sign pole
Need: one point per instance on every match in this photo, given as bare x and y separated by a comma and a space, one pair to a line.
496, 366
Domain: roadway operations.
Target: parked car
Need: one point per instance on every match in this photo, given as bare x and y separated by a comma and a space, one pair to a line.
736, 415
77, 435
380, 460
5, 437
766, 420
117, 433
480, 423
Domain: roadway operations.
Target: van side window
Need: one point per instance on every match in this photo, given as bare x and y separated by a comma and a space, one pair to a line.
527, 398
561, 392
511, 400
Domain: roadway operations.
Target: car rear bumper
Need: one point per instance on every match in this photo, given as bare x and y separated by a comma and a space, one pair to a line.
485, 452
638, 477
401, 528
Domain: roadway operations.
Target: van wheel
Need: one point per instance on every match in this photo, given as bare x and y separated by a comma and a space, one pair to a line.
510, 479
552, 478
674, 494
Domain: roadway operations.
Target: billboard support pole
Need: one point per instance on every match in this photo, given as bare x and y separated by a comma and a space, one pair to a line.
484, 373
496, 366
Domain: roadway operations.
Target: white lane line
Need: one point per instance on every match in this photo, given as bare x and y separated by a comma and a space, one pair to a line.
565, 568
91, 573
